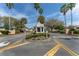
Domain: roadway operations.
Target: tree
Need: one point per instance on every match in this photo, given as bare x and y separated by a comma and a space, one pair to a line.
64, 10
36, 6
41, 19
23, 21
71, 6
10, 6
41, 11
53, 24
6, 22
20, 24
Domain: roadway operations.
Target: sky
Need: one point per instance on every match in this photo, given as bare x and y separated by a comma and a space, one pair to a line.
51, 10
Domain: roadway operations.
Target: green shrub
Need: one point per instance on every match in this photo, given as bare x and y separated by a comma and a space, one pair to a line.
61, 31
17, 31
6, 32
76, 31
36, 35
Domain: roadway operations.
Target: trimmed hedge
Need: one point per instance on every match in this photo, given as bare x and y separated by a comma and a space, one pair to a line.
76, 31
6, 32
36, 35
17, 31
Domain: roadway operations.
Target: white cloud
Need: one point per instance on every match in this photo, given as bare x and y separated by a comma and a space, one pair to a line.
3, 13
17, 14
52, 15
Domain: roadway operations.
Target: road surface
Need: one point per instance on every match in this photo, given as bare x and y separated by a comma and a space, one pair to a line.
57, 45
13, 38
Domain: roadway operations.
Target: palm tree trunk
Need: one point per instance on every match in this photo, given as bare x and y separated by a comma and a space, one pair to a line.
9, 22
65, 20
71, 22
71, 19
65, 23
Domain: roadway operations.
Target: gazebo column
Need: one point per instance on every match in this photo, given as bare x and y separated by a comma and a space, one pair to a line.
36, 29
40, 29
43, 29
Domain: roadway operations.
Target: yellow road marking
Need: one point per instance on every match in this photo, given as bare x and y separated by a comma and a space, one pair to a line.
67, 49
59, 45
14, 45
53, 50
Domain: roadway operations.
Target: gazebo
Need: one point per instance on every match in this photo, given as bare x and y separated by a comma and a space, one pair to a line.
40, 28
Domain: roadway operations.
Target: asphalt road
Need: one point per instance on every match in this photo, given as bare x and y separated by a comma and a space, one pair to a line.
13, 38
36, 48
71, 42
41, 47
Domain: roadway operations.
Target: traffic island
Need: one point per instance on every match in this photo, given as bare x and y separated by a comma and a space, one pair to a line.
38, 36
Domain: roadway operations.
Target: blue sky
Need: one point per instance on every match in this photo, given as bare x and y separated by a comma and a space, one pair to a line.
51, 10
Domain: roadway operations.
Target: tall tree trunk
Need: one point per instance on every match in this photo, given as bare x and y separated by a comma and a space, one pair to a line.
10, 19
71, 19
9, 22
71, 22
65, 20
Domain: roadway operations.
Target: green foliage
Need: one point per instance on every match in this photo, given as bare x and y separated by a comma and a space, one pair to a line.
71, 5
17, 31
40, 11
36, 35
10, 5
6, 22
6, 32
75, 31
61, 31
64, 9
59, 27
23, 20
41, 19
36, 6
54, 24
20, 24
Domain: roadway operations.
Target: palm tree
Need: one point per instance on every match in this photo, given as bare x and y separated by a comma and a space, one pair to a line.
41, 19
10, 6
41, 11
37, 6
64, 10
71, 6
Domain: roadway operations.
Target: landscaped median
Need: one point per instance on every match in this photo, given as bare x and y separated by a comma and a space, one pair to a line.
38, 36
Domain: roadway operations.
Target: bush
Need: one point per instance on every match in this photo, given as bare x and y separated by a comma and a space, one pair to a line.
61, 31
76, 31
17, 31
36, 35
6, 32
